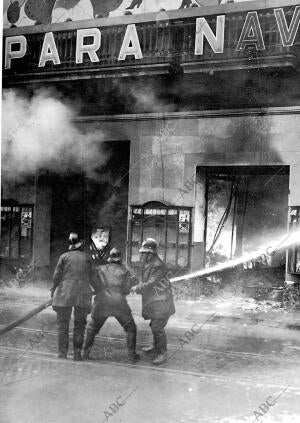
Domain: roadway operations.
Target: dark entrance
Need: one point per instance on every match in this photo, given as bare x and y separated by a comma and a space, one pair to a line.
82, 203
246, 208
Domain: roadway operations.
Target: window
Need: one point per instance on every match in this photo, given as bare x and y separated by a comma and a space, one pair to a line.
16, 231
170, 226
294, 252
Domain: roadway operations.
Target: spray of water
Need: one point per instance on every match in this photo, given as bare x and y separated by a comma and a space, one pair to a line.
278, 244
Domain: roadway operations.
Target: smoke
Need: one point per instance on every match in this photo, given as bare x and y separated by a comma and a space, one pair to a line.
146, 100
39, 133
143, 97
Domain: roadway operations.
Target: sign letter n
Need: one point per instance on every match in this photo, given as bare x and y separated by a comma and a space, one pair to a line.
204, 30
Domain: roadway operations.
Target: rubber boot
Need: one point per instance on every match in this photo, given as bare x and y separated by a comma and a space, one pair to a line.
77, 355
160, 359
86, 355
63, 344
61, 355
133, 357
89, 342
78, 337
151, 350
161, 350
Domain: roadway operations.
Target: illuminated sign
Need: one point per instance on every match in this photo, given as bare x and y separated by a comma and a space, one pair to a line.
89, 41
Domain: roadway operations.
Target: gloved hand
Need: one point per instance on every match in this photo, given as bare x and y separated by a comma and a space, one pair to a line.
137, 289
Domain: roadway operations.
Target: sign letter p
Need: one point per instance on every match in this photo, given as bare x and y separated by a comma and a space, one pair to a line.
10, 52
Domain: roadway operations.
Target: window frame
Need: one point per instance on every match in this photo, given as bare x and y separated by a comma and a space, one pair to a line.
12, 205
155, 205
294, 224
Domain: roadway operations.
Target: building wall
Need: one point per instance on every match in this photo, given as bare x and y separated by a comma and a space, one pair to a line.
165, 152
166, 149
42, 226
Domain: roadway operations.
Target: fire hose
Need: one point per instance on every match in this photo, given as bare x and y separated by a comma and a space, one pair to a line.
203, 272
26, 316
287, 241
38, 309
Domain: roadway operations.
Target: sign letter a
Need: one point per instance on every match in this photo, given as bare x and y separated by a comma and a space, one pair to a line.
251, 33
131, 44
49, 51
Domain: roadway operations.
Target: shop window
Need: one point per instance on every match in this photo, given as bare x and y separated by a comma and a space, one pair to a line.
170, 226
294, 251
16, 231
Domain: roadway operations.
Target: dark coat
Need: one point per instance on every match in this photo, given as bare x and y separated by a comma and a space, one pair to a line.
116, 282
72, 279
157, 297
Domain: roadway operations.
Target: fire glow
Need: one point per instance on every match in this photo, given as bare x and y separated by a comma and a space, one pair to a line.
16, 46
279, 244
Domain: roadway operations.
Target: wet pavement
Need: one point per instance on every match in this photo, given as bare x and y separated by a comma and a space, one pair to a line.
232, 370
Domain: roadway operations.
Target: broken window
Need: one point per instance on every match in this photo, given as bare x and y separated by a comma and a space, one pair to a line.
246, 211
294, 251
170, 226
16, 231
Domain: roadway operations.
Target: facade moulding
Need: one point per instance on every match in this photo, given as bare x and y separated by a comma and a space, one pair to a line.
148, 17
192, 114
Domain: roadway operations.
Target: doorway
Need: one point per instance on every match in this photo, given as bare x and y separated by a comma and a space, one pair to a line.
246, 208
83, 203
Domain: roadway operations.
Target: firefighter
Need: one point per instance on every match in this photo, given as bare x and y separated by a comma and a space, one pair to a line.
116, 283
157, 298
71, 290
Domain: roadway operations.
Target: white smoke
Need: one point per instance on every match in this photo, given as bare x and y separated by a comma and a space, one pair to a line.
39, 133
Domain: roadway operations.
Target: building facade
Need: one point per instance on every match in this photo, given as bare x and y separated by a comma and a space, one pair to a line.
197, 112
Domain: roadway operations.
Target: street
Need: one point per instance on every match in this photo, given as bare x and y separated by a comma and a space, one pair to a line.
150, 161
224, 370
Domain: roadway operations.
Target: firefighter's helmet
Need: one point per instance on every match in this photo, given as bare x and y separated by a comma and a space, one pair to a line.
149, 246
74, 241
115, 256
